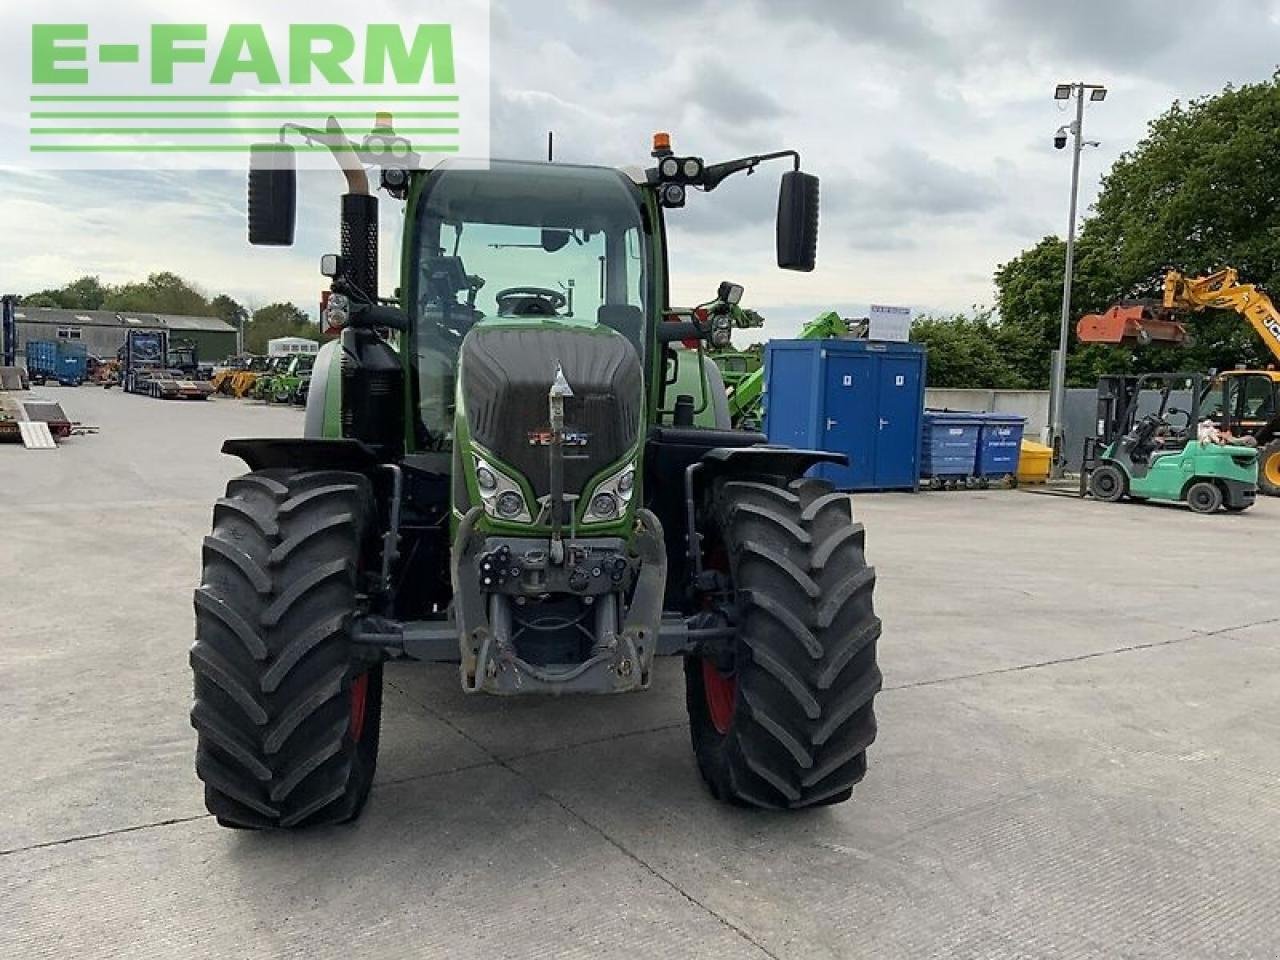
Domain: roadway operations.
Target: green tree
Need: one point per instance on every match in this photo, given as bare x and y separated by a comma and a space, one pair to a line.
160, 293
87, 293
277, 320
964, 351
1199, 192
229, 310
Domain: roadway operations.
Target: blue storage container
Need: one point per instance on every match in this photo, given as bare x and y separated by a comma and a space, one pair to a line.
950, 444
1000, 445
860, 398
73, 360
42, 360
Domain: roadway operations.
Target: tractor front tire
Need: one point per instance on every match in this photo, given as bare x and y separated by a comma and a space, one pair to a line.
287, 715
1269, 469
784, 721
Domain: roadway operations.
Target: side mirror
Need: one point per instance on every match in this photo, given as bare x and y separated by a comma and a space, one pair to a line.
273, 191
798, 221
730, 293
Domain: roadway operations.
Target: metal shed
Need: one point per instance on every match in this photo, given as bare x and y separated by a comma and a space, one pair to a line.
215, 339
103, 331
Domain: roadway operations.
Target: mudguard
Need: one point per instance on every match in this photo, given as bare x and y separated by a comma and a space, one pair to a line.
323, 410
304, 453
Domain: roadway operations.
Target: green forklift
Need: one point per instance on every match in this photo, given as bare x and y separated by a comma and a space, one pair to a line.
1147, 447
500, 476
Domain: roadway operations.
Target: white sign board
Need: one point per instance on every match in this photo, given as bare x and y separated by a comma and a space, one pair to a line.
890, 323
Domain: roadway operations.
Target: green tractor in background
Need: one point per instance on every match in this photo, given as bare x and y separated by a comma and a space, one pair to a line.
736, 365
499, 474
287, 380
1147, 447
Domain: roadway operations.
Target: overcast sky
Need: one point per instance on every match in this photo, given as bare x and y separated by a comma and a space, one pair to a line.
930, 124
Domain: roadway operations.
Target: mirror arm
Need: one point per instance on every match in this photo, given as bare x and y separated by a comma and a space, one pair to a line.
343, 150
715, 174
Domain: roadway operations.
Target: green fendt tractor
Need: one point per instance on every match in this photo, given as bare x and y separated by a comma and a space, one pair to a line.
287, 381
495, 472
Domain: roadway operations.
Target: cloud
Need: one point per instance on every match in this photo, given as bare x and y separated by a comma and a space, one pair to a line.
725, 95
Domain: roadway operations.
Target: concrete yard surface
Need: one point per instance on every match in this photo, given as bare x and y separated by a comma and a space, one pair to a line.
1079, 751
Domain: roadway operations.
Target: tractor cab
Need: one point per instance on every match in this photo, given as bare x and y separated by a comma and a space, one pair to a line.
515, 251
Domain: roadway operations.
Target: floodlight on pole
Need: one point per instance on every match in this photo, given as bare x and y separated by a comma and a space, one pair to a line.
1058, 390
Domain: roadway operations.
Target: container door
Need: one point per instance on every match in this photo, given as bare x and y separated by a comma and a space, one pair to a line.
849, 419
789, 399
898, 423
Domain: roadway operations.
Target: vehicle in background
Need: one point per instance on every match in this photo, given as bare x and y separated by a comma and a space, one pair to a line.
292, 346
284, 382
1148, 448
1250, 399
184, 357
144, 369
238, 375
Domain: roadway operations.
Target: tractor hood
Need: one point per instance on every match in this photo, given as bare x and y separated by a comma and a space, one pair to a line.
506, 371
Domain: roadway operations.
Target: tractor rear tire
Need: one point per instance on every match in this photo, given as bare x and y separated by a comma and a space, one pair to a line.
287, 715
1107, 483
1269, 469
1204, 497
786, 719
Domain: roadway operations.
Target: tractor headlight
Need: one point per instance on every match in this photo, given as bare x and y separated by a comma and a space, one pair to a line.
338, 311
510, 505
721, 331
500, 495
604, 506
611, 496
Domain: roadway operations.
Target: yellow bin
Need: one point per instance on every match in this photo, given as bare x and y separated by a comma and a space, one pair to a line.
1034, 462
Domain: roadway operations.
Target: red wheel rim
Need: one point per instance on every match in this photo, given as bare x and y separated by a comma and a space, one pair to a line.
359, 697
722, 695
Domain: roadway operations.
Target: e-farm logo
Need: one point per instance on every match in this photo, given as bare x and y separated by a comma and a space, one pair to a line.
201, 89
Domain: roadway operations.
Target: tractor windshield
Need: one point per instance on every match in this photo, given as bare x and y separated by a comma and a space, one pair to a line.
521, 241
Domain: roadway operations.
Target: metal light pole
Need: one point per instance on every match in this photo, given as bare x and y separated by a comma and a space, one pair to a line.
1065, 91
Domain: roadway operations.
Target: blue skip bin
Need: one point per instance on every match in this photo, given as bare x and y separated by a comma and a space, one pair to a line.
950, 446
999, 445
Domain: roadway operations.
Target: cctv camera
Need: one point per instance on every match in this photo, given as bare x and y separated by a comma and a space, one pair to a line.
1060, 140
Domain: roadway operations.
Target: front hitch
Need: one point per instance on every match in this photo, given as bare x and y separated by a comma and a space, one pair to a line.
620, 660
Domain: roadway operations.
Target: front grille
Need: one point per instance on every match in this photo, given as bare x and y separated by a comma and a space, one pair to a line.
506, 375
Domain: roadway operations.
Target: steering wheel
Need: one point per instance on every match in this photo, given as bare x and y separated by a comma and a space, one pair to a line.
530, 302
1140, 439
